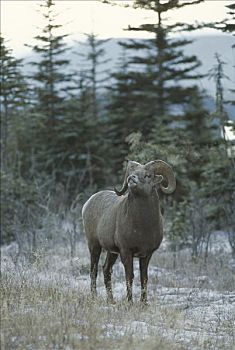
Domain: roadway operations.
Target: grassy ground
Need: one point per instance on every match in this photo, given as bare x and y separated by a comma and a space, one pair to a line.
46, 304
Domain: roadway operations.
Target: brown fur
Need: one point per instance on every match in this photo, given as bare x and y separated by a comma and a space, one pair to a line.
129, 225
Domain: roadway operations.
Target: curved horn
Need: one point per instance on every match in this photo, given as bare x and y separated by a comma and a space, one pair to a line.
162, 168
130, 167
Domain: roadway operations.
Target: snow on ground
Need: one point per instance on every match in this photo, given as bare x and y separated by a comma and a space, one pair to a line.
201, 312
178, 313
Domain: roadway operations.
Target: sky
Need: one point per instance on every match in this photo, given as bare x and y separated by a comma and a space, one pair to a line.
21, 20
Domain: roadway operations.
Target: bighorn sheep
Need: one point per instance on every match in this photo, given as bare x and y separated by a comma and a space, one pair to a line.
127, 224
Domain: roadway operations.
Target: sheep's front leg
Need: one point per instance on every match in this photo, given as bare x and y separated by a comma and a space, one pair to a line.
144, 277
127, 260
95, 252
107, 269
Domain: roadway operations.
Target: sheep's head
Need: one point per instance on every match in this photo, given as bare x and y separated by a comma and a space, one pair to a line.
143, 179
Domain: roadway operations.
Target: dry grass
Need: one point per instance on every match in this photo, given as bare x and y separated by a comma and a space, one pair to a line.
47, 305
217, 273
36, 315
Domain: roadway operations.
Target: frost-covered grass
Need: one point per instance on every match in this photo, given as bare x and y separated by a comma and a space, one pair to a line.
46, 303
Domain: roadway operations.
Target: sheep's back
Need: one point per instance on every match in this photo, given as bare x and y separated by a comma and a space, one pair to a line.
99, 214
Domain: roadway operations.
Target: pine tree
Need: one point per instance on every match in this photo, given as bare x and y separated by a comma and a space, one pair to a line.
122, 112
76, 140
50, 77
230, 28
164, 70
16, 194
162, 83
91, 110
217, 73
219, 176
13, 94
227, 26
169, 107
94, 61
52, 90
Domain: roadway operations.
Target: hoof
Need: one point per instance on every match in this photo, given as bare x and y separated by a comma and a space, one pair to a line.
111, 301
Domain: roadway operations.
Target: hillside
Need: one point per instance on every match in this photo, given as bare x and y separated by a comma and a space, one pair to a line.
204, 47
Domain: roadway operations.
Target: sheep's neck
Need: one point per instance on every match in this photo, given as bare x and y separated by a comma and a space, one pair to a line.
144, 211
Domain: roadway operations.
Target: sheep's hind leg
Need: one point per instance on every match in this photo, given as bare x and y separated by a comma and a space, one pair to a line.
95, 255
144, 278
107, 269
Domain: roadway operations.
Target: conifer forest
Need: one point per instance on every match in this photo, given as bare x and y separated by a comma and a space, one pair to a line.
70, 121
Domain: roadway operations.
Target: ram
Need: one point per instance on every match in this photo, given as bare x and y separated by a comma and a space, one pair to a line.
128, 222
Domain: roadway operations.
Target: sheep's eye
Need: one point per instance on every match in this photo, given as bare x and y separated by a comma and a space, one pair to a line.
147, 176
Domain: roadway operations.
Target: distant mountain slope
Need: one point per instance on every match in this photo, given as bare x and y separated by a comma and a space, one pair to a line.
204, 47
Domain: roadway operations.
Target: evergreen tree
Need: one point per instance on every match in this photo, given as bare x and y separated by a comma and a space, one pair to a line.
163, 69
219, 184
51, 78
13, 94
77, 138
169, 107
161, 84
91, 111
122, 112
51, 81
93, 62
220, 114
227, 26
16, 193
230, 28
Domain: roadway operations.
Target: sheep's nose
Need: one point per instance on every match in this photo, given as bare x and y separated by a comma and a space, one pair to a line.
132, 178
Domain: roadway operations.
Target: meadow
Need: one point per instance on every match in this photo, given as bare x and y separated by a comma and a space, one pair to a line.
46, 301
